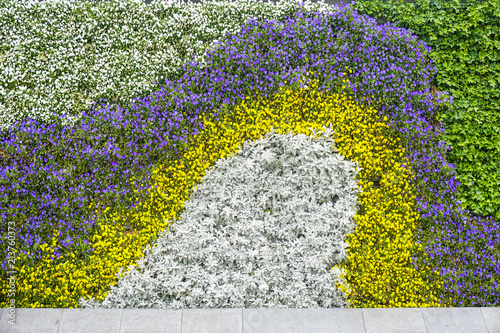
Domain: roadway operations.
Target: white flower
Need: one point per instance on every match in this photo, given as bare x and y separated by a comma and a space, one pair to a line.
74, 53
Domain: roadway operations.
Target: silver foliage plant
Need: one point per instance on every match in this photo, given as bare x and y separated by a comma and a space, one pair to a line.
263, 228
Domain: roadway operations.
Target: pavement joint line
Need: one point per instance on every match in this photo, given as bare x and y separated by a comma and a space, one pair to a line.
425, 322
364, 320
60, 321
121, 321
484, 320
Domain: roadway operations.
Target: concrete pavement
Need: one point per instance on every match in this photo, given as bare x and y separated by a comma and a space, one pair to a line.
453, 320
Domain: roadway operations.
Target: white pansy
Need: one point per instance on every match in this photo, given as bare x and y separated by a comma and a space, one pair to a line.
256, 238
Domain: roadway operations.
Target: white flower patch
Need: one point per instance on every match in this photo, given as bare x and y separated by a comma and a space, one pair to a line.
62, 55
262, 229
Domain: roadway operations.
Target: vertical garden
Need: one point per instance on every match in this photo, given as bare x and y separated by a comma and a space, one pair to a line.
121, 121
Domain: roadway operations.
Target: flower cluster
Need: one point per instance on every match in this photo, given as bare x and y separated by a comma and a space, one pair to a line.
379, 270
61, 56
58, 175
261, 229
77, 191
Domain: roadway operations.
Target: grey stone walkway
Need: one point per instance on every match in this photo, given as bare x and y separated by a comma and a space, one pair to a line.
440, 320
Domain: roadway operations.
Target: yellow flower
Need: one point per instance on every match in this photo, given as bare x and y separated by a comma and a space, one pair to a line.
378, 271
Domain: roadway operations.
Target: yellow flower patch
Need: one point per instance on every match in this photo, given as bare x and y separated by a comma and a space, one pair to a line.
379, 271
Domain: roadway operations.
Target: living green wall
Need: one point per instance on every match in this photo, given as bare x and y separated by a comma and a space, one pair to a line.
465, 42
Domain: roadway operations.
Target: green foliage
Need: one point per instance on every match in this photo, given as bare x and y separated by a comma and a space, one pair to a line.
465, 42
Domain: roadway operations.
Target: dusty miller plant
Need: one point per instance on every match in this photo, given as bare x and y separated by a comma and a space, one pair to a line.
262, 229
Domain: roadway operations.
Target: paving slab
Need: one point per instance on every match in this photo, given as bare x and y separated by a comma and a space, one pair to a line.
91, 320
491, 317
333, 320
212, 321
40, 320
267, 320
393, 320
263, 320
454, 320
151, 321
